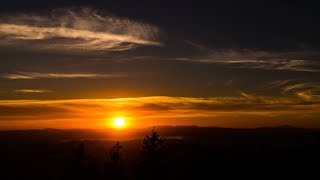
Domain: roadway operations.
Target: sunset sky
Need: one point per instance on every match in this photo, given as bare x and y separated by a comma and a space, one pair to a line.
79, 64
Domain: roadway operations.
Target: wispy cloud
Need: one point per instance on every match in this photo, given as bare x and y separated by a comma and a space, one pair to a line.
32, 91
306, 90
279, 83
303, 61
248, 59
311, 88
37, 75
196, 45
75, 29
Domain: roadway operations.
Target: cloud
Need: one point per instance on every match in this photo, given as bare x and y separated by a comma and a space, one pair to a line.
245, 110
306, 90
306, 95
156, 106
249, 59
196, 45
278, 83
300, 65
228, 83
75, 29
303, 61
37, 75
32, 91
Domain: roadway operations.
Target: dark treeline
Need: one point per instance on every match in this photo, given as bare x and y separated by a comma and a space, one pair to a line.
152, 163
185, 153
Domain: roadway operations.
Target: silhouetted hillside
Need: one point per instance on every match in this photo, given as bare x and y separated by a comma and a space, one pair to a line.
192, 153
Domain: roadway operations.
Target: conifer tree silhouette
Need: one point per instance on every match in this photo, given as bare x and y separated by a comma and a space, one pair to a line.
153, 147
115, 169
153, 156
115, 153
78, 158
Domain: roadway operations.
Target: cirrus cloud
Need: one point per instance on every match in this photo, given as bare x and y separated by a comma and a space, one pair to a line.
301, 61
306, 90
38, 75
75, 29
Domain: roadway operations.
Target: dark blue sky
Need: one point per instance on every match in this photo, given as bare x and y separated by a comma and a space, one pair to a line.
272, 25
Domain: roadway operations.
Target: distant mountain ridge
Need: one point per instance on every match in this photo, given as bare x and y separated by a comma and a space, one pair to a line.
57, 135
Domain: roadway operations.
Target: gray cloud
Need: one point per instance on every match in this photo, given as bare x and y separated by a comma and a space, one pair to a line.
197, 46
37, 75
75, 29
308, 91
278, 83
247, 59
305, 90
304, 61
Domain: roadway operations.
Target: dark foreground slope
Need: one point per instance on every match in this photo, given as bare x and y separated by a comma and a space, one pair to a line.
192, 153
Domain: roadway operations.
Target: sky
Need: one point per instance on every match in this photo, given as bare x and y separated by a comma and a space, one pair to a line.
78, 64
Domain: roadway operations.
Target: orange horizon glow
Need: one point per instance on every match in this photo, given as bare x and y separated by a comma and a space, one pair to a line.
140, 112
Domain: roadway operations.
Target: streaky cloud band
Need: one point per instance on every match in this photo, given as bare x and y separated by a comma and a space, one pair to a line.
37, 75
75, 29
300, 61
32, 91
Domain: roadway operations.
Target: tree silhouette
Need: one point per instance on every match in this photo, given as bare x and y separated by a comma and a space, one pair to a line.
153, 147
77, 164
83, 165
79, 154
153, 156
114, 170
115, 153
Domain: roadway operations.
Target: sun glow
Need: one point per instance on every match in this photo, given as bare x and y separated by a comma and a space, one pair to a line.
119, 122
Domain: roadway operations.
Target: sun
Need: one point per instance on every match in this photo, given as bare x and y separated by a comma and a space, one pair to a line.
119, 122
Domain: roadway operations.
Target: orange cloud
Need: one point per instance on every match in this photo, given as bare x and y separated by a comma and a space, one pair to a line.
32, 91
163, 110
